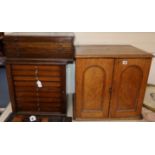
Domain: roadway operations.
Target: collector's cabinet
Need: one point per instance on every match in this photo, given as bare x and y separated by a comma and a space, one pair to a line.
36, 71
110, 81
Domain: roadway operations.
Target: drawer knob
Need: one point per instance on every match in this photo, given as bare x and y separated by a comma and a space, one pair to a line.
39, 84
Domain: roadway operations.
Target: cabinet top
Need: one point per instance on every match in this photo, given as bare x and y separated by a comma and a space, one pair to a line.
114, 51
46, 34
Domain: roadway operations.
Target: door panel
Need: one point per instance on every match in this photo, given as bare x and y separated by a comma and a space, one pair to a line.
129, 100
129, 82
93, 81
93, 90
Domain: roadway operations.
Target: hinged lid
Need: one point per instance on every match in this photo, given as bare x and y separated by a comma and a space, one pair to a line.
39, 46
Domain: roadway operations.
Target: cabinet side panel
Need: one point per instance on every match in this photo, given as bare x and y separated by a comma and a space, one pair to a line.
11, 87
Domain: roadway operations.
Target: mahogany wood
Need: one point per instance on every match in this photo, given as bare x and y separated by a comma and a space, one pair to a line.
23, 46
31, 58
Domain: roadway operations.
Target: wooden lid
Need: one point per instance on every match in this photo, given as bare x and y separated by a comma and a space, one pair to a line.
41, 34
111, 51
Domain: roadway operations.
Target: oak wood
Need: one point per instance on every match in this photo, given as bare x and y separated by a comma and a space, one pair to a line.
127, 76
93, 81
129, 83
110, 51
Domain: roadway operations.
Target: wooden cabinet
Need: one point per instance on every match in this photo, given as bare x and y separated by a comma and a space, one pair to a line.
36, 70
110, 81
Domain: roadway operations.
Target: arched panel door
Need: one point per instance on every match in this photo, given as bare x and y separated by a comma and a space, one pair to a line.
129, 82
93, 81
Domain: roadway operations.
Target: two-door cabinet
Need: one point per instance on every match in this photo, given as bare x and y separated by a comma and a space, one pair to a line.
110, 81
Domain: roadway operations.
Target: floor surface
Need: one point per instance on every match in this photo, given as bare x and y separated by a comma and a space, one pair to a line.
148, 114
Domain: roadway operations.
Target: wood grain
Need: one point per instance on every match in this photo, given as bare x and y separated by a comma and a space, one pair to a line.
27, 97
129, 85
124, 79
110, 51
18, 46
93, 81
41, 57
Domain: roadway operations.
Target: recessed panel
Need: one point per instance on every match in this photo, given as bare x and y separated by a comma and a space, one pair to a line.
93, 90
130, 83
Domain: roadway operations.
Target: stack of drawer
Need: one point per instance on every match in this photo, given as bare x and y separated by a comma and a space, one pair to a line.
36, 69
49, 97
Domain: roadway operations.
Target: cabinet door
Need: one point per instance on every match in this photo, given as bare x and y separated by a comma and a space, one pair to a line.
93, 82
129, 82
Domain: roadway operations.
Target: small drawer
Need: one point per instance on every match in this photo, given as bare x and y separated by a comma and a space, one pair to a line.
33, 84
50, 95
33, 78
28, 108
36, 67
32, 73
25, 89
48, 73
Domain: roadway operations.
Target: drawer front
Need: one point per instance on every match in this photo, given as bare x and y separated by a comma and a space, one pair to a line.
39, 47
51, 97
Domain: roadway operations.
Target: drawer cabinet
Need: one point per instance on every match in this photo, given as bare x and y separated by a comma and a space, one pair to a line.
36, 70
110, 84
29, 96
